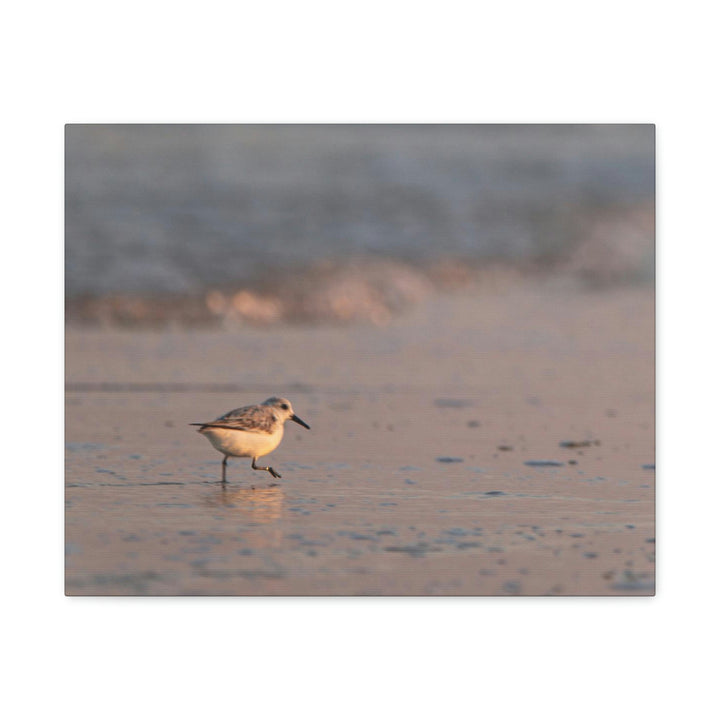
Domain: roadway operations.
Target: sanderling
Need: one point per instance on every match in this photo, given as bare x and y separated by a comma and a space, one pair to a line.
251, 431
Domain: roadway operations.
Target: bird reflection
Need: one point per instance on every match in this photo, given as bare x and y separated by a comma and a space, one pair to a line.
263, 504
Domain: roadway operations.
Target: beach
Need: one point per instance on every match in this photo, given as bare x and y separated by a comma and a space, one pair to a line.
491, 441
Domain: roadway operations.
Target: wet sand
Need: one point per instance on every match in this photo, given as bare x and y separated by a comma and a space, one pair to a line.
434, 466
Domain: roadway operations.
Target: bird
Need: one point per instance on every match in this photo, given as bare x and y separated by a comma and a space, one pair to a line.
250, 431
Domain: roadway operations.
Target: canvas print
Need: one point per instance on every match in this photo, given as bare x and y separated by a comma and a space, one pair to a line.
376, 360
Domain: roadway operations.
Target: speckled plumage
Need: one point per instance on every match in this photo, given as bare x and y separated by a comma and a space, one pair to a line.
251, 418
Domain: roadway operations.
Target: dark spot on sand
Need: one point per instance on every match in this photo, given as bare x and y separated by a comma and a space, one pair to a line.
418, 550
452, 403
468, 545
543, 463
445, 459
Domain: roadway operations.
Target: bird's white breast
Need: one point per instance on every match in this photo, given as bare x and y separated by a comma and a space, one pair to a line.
240, 443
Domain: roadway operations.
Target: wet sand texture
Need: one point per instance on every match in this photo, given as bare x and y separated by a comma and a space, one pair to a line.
484, 444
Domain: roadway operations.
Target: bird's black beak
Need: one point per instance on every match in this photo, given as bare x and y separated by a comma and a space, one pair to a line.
296, 419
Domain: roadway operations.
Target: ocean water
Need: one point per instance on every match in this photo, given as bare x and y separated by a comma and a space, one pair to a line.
156, 209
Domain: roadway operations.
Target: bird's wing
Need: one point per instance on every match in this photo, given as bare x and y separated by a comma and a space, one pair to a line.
251, 418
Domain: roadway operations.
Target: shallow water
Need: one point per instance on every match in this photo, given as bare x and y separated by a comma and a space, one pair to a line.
170, 527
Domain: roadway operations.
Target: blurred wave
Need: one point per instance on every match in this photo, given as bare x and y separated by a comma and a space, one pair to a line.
268, 223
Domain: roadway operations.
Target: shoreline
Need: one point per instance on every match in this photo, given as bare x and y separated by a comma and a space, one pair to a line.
366, 289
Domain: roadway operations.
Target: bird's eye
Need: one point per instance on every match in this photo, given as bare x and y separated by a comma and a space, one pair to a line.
284, 406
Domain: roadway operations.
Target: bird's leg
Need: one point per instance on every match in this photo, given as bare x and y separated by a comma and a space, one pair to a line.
269, 469
224, 466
